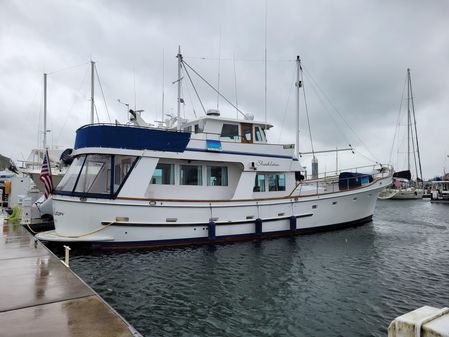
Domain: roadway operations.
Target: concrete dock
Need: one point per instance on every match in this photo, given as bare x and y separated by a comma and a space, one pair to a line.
39, 296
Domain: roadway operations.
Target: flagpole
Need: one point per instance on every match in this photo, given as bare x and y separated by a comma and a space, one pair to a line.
49, 169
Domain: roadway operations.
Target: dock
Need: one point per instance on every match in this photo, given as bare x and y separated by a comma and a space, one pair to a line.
40, 296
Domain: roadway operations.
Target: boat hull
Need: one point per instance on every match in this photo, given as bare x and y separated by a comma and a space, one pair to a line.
401, 194
122, 223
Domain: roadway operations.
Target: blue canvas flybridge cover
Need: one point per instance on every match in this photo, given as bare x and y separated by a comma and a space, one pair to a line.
131, 138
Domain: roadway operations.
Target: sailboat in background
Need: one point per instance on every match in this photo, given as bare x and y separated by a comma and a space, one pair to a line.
403, 186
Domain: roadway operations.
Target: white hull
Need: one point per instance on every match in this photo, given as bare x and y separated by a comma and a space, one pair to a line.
401, 194
139, 222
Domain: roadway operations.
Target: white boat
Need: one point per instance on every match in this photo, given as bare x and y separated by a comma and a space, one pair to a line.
211, 179
403, 186
440, 192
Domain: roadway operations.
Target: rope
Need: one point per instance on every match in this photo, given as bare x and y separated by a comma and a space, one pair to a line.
28, 225
86, 234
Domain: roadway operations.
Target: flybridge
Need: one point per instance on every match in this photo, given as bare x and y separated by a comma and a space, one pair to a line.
131, 138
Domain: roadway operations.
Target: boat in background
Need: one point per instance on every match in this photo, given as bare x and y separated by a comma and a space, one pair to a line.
403, 186
207, 180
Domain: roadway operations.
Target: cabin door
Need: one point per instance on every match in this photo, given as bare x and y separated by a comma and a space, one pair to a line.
246, 133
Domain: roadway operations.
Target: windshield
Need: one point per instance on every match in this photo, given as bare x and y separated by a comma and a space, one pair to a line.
90, 175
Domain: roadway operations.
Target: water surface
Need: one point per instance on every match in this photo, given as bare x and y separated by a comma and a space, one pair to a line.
350, 282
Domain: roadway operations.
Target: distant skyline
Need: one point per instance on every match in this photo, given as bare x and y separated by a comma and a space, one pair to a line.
355, 55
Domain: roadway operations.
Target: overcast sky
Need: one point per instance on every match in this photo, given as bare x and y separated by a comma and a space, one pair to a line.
355, 55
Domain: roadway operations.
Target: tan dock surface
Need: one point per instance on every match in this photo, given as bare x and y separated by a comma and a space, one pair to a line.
39, 296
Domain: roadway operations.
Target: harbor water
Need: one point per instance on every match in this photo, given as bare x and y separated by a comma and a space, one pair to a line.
349, 282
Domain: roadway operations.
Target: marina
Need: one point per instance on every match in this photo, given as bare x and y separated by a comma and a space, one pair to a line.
221, 169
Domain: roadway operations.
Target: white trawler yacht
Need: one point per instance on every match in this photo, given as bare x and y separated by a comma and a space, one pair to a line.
211, 179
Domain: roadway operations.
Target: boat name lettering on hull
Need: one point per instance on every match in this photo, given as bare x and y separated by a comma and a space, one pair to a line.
266, 163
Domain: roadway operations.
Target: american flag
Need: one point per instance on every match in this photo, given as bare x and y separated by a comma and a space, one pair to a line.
45, 176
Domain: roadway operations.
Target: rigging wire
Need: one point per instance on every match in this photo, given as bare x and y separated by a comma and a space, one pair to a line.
102, 93
67, 68
341, 116
307, 111
212, 87
194, 88
238, 60
398, 122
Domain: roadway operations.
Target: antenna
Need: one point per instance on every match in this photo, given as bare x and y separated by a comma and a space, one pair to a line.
265, 63
163, 85
92, 91
235, 86
179, 56
219, 64
125, 104
134, 82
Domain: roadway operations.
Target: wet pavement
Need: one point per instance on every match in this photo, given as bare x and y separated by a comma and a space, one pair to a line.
41, 297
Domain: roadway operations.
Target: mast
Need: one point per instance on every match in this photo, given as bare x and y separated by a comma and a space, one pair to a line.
298, 85
163, 86
44, 142
179, 56
92, 91
408, 119
416, 130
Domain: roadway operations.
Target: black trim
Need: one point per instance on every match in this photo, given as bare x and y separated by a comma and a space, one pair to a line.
218, 239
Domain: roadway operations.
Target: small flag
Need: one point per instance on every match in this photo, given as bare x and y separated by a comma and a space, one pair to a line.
45, 176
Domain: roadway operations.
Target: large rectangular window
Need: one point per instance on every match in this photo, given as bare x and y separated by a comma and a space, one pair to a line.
217, 176
191, 175
163, 174
94, 175
68, 182
276, 182
230, 131
259, 184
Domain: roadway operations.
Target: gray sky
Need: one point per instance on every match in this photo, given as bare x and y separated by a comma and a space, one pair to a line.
356, 51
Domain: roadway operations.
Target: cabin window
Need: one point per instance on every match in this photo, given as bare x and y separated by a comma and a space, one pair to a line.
187, 129
247, 133
69, 180
230, 131
259, 184
258, 134
191, 175
276, 182
122, 165
217, 176
163, 174
197, 128
94, 175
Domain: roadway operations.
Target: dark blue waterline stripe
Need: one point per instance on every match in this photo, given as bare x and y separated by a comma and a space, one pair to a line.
243, 153
218, 239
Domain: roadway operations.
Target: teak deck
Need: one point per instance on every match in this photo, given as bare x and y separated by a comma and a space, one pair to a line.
39, 296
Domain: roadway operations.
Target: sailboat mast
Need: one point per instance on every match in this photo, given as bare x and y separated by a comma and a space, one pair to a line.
92, 91
416, 130
179, 56
408, 119
44, 142
298, 85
